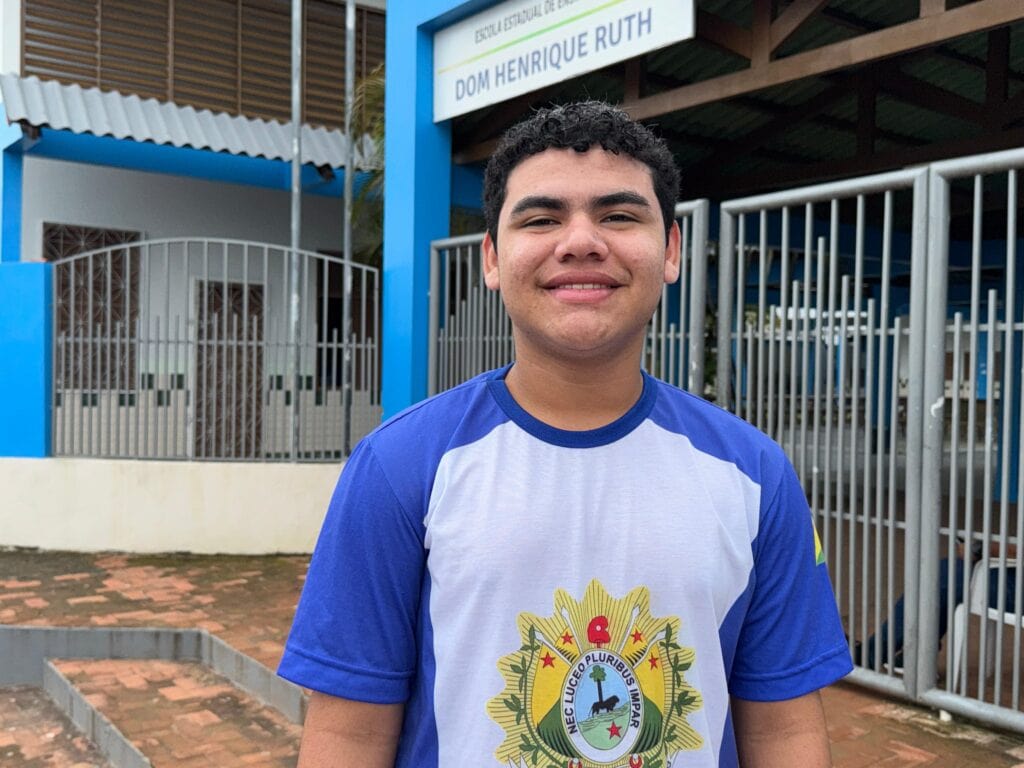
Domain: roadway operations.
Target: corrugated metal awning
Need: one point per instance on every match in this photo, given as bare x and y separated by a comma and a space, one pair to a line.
49, 104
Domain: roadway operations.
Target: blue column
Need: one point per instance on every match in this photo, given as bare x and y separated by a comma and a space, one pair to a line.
10, 193
26, 331
417, 199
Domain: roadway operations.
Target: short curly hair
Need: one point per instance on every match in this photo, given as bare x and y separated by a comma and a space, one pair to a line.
580, 126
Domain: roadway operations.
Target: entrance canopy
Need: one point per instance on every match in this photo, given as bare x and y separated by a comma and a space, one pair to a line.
765, 95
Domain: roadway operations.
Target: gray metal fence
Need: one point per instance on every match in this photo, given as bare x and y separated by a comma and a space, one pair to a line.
470, 331
819, 299
872, 327
972, 521
213, 349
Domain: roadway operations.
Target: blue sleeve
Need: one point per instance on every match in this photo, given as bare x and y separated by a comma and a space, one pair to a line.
354, 633
792, 640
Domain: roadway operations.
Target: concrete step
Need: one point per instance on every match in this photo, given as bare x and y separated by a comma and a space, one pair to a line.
181, 714
34, 733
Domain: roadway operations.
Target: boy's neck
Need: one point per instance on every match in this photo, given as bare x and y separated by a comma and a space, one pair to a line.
575, 396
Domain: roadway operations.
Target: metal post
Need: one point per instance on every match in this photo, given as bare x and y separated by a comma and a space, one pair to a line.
350, 79
296, 224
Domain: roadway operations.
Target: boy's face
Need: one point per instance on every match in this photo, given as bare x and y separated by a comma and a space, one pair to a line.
581, 256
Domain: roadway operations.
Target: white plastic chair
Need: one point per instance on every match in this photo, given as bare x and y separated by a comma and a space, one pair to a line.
977, 603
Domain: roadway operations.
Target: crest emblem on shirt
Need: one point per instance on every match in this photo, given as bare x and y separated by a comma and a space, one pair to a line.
601, 683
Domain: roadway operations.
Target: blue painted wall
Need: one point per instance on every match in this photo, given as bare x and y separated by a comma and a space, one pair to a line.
10, 192
26, 319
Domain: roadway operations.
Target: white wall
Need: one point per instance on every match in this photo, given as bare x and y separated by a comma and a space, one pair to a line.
10, 36
163, 506
160, 205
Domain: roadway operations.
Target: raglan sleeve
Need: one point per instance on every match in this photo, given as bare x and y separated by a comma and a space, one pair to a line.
354, 633
791, 642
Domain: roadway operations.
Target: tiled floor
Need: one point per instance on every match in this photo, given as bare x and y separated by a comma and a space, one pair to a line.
183, 715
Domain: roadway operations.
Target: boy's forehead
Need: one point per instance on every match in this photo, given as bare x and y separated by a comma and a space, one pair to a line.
566, 171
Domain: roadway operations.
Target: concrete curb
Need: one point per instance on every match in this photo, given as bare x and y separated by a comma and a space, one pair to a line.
25, 654
91, 722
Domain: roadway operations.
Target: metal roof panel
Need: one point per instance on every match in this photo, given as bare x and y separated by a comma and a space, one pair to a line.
47, 103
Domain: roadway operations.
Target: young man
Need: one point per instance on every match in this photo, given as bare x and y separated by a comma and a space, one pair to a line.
566, 562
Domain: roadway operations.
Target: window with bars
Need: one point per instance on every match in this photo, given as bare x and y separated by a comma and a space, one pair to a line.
97, 306
223, 55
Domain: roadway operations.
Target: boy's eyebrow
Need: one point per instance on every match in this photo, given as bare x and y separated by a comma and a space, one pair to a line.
543, 202
624, 197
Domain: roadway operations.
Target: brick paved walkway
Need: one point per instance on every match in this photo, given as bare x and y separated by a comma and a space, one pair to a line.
183, 715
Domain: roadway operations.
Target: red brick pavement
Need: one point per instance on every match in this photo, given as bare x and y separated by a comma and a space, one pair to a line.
35, 734
249, 601
181, 714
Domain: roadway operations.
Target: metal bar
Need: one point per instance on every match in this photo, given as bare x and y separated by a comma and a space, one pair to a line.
890, 578
816, 459
986, 520
796, 386
914, 574
869, 400
784, 306
726, 266
840, 397
770, 400
805, 347
107, 301
176, 416
762, 300
433, 320
245, 430
1010, 316
829, 394
88, 330
954, 488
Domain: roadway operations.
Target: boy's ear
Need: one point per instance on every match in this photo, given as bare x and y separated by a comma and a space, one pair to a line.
672, 253
489, 262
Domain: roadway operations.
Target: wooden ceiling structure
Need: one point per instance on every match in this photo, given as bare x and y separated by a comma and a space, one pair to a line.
774, 94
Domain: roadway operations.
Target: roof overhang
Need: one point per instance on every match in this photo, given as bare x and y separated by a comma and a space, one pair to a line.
38, 104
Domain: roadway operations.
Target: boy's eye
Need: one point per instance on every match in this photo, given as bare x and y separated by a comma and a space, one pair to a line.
539, 221
620, 217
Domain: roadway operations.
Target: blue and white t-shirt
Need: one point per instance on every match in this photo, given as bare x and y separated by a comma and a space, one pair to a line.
545, 597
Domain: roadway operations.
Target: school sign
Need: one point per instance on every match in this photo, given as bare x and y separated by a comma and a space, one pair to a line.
521, 45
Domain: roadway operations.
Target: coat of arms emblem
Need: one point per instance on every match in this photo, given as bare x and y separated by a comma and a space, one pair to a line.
599, 684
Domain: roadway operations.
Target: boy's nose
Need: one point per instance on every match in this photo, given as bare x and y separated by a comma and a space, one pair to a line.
581, 239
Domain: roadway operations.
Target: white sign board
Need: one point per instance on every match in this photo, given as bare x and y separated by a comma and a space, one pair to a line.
520, 45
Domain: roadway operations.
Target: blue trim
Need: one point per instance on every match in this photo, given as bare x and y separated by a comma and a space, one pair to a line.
417, 201
184, 161
10, 192
564, 438
26, 372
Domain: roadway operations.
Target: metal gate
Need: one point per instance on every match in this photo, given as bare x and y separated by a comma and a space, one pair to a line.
213, 349
872, 327
820, 307
470, 332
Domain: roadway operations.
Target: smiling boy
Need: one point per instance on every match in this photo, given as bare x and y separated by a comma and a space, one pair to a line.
565, 561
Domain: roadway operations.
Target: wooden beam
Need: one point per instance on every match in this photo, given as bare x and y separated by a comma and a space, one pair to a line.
724, 34
932, 7
781, 123
633, 78
791, 19
891, 41
923, 94
997, 67
761, 33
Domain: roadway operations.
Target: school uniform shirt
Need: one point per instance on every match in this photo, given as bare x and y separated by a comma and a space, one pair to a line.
536, 596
